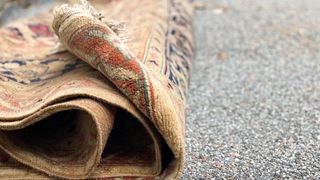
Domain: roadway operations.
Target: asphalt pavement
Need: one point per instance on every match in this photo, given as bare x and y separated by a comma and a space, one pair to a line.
254, 97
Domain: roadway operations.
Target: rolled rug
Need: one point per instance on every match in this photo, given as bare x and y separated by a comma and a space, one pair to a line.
103, 98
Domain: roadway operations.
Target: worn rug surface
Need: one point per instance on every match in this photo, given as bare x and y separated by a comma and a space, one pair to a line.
96, 91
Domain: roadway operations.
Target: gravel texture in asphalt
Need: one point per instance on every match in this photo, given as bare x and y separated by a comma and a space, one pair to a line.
254, 98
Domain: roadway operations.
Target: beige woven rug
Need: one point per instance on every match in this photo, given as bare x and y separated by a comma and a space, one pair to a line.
96, 92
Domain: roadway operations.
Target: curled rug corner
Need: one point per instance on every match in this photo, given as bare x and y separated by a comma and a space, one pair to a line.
109, 104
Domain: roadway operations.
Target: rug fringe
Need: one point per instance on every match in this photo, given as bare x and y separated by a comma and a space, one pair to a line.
84, 7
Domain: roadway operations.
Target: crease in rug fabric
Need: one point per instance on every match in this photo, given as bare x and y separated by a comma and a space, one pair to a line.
96, 91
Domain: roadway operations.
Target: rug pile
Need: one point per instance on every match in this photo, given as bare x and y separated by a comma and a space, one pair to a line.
96, 91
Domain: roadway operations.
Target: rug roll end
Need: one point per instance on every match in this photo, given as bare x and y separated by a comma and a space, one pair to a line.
65, 11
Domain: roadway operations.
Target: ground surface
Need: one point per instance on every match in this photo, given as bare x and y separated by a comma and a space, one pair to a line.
254, 98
